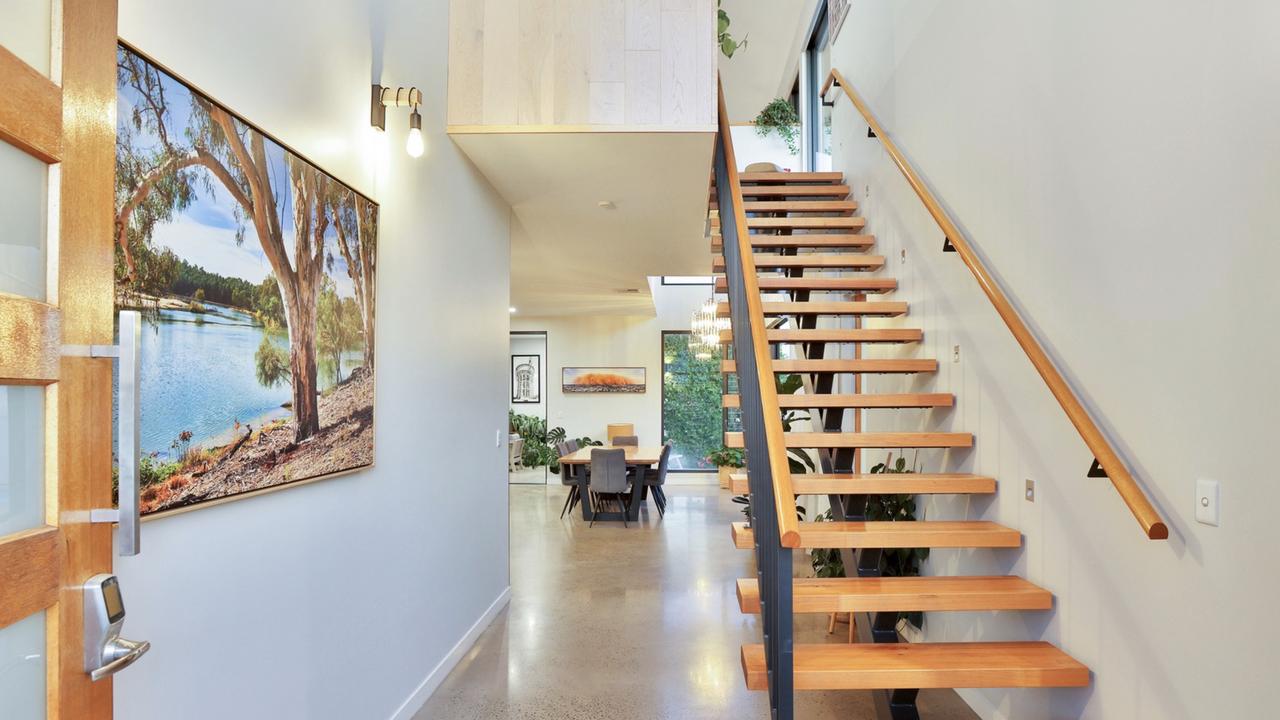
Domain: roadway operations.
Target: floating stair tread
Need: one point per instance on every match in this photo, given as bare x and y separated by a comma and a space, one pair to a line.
806, 223
904, 594
865, 440
806, 206
834, 307
809, 260
879, 484
784, 191
861, 400
821, 284
791, 177
843, 366
885, 666
889, 534
836, 335
813, 240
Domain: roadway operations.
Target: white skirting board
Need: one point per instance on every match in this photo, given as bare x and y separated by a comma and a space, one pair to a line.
441, 671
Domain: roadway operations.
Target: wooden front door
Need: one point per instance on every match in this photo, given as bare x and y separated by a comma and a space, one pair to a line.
57, 165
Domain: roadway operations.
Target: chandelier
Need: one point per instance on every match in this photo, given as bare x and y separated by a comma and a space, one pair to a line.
705, 328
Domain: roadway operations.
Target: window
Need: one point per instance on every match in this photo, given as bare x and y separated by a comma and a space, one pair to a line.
687, 280
691, 416
815, 117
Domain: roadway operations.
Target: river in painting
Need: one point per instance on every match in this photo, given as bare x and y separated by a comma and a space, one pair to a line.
197, 375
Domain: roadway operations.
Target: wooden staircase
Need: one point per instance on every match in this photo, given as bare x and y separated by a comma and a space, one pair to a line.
809, 249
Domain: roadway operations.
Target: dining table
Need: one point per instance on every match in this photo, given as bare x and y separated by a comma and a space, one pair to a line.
641, 458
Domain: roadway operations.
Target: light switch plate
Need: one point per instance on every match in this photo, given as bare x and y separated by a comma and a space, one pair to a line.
1031, 490
497, 437
1208, 509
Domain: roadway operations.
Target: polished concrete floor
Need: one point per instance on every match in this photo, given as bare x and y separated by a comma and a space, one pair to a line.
623, 624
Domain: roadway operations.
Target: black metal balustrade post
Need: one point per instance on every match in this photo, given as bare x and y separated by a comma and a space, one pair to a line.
773, 562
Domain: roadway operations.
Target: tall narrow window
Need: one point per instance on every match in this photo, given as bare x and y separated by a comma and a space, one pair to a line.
691, 392
815, 117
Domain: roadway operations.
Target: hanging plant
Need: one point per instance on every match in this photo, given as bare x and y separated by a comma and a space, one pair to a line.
728, 45
780, 117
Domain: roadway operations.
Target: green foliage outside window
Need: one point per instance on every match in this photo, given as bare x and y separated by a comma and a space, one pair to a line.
691, 403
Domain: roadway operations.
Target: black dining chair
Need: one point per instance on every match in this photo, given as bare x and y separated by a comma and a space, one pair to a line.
608, 480
625, 441
655, 479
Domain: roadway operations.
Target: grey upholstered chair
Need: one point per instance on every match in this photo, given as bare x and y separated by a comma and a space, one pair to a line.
573, 445
625, 440
656, 479
567, 478
609, 479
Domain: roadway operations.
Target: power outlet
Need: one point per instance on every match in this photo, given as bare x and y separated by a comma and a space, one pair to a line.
955, 353
1031, 490
866, 191
904, 256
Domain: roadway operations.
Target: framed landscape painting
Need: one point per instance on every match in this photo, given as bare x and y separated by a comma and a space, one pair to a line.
526, 379
254, 271
602, 380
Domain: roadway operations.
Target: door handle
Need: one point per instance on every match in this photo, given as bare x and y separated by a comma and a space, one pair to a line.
122, 654
128, 439
105, 652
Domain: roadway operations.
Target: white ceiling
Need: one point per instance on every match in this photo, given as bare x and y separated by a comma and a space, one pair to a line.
766, 68
571, 257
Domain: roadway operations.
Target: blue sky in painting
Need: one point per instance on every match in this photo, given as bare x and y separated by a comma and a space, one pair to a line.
204, 234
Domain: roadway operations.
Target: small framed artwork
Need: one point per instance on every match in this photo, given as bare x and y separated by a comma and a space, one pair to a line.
836, 12
602, 380
526, 379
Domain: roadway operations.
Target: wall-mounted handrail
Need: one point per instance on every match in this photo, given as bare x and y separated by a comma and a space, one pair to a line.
783, 494
1107, 457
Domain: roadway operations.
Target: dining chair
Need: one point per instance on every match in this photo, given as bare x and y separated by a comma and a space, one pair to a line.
626, 440
608, 480
573, 445
515, 453
567, 478
656, 479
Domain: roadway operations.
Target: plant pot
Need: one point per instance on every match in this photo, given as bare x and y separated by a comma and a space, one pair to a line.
724, 476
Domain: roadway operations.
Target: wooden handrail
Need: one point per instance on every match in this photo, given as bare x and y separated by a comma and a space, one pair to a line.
779, 467
1107, 457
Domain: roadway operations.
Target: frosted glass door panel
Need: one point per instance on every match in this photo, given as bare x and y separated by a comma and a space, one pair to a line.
24, 213
22, 669
25, 30
21, 458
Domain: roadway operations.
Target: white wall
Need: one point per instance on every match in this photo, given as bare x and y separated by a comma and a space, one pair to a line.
618, 341
530, 345
749, 147
339, 598
1117, 165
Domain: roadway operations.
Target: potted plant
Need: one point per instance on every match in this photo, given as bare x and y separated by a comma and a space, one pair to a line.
726, 461
897, 562
540, 441
780, 117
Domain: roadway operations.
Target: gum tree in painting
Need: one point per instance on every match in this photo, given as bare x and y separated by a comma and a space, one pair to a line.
179, 153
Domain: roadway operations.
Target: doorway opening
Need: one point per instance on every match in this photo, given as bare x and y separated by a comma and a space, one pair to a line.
528, 454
